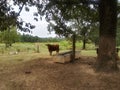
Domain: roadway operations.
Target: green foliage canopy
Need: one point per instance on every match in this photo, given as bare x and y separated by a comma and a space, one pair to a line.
9, 36
64, 12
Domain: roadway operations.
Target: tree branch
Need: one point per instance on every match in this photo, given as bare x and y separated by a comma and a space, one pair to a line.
20, 10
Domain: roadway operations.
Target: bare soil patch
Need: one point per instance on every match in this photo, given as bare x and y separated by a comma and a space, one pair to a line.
43, 74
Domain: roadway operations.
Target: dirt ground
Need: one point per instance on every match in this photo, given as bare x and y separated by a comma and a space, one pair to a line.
43, 74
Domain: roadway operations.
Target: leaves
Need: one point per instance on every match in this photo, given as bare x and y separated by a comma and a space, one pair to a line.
9, 36
27, 9
65, 12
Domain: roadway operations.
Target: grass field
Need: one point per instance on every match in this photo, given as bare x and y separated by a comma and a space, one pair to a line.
33, 47
27, 51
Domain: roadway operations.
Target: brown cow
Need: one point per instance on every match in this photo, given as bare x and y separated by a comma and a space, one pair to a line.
52, 47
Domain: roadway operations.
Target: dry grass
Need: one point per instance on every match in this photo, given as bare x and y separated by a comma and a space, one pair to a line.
36, 71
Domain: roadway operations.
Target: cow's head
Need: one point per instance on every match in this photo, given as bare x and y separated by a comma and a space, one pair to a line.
47, 44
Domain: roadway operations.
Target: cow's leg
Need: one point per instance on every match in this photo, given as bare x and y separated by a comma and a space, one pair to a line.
50, 53
57, 52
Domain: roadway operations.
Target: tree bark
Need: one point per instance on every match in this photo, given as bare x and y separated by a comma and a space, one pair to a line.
84, 42
107, 38
73, 47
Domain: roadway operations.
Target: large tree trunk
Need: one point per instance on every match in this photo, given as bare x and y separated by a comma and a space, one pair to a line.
107, 41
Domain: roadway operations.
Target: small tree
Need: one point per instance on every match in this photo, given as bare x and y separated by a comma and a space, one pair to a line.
9, 37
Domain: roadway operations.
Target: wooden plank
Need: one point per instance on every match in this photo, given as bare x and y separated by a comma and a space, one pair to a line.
65, 57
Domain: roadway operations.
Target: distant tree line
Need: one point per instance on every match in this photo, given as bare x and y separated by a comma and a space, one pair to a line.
12, 36
30, 38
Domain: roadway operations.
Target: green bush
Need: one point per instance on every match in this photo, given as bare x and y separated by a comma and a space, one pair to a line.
65, 45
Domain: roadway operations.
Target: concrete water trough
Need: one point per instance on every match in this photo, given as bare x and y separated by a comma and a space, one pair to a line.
65, 57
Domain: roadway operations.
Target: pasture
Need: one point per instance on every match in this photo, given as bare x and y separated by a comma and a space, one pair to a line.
32, 70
